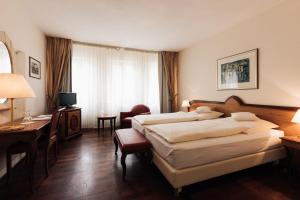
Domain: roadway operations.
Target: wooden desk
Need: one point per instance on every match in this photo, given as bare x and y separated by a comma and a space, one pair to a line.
28, 134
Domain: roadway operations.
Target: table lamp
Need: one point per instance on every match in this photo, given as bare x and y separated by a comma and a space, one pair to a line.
296, 118
185, 104
14, 86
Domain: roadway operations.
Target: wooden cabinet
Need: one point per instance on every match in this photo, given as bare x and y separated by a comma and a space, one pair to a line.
70, 123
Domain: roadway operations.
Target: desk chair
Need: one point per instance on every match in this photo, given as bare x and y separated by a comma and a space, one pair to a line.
51, 138
30, 149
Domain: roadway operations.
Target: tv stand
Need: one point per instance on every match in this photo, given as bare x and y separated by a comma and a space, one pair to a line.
70, 107
70, 123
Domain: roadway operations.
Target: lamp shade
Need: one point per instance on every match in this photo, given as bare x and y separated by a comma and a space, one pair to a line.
185, 103
14, 86
296, 117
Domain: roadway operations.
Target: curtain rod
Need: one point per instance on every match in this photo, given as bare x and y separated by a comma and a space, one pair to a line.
115, 47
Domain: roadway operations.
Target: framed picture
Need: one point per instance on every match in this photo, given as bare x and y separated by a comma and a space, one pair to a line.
238, 72
34, 68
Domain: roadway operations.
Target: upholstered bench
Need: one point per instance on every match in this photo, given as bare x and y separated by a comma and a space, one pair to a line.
130, 141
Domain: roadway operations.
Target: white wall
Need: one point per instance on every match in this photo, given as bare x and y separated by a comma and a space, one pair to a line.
277, 35
26, 37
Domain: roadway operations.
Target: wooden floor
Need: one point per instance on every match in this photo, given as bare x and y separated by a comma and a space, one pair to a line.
88, 169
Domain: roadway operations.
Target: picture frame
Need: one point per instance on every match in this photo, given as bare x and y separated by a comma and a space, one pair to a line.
34, 68
238, 72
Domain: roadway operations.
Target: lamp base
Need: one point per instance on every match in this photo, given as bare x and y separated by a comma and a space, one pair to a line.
10, 128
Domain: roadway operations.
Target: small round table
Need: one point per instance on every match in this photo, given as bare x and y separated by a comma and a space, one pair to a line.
111, 118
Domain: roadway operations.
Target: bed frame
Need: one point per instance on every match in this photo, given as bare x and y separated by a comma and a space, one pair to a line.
280, 115
276, 114
183, 177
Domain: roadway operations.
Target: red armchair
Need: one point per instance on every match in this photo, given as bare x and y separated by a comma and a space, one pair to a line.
125, 117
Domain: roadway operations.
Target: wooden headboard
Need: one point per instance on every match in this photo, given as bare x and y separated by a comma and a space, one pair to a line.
280, 115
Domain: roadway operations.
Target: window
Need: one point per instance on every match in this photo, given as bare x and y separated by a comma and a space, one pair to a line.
108, 80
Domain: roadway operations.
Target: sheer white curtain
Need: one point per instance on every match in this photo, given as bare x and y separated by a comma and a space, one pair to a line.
108, 80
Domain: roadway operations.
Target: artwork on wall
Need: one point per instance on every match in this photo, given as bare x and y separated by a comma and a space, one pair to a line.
238, 72
34, 68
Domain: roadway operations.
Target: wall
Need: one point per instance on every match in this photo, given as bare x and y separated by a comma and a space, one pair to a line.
28, 39
277, 35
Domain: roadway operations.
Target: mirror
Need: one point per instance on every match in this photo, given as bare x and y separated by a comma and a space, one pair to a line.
5, 64
5, 57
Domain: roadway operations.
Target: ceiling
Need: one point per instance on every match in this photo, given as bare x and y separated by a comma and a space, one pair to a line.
143, 24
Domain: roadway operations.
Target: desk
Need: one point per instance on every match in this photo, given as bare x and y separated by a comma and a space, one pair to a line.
31, 132
28, 136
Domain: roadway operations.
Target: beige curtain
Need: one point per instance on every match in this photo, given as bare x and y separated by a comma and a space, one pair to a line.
170, 75
58, 69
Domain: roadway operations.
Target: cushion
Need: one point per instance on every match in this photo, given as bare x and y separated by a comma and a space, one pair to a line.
244, 116
203, 109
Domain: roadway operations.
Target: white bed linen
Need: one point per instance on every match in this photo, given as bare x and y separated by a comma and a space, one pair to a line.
205, 151
196, 130
141, 127
164, 118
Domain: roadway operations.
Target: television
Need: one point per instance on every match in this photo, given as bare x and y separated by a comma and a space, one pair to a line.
67, 99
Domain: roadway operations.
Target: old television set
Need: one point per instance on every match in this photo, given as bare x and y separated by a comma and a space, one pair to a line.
67, 99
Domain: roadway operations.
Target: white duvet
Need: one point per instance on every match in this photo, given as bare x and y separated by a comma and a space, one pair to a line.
174, 117
196, 130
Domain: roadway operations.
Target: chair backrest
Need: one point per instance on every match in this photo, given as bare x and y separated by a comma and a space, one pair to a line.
139, 109
55, 122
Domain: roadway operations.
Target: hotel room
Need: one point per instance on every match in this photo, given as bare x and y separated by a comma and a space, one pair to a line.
137, 99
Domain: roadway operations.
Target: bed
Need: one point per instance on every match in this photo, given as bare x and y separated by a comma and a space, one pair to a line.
187, 162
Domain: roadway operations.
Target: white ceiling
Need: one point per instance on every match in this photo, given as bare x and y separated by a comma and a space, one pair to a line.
144, 24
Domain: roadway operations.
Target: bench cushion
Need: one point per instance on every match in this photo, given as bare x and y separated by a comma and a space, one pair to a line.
131, 141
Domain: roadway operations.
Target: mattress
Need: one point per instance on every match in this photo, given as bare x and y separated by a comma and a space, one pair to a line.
205, 151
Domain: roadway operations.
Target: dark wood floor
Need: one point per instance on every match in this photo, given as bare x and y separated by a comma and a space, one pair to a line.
88, 169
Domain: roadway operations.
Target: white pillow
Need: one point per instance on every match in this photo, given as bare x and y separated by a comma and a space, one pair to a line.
203, 109
257, 126
244, 116
210, 115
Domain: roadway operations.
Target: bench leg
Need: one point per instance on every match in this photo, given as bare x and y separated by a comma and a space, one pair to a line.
116, 145
123, 158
